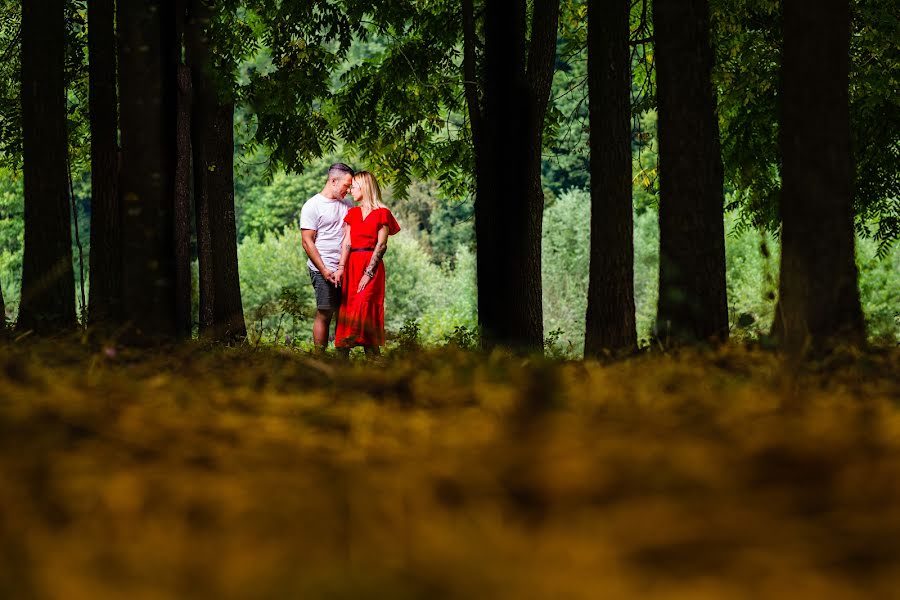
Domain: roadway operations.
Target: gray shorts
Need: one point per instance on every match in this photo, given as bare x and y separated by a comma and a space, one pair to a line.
328, 296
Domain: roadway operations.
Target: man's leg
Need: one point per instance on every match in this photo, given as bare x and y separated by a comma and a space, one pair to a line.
321, 324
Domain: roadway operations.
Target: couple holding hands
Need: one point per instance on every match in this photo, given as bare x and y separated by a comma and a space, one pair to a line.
345, 244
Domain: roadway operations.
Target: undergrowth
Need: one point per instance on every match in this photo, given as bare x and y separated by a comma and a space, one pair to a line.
445, 473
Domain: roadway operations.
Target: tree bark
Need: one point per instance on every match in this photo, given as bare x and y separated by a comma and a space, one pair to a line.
221, 310
509, 197
182, 208
610, 319
692, 294
819, 296
148, 118
228, 308
48, 293
105, 257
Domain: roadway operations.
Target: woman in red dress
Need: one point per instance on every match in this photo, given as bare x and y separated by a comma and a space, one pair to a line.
366, 229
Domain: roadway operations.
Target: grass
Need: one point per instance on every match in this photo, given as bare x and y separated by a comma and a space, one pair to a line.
233, 473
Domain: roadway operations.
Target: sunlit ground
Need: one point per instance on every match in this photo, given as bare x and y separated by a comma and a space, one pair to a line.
239, 474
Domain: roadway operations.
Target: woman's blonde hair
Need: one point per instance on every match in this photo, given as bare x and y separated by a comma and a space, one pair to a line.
370, 190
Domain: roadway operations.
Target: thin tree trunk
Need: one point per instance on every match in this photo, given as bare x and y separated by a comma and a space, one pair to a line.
48, 293
610, 320
201, 123
221, 311
148, 117
819, 296
182, 209
692, 295
105, 256
228, 308
527, 328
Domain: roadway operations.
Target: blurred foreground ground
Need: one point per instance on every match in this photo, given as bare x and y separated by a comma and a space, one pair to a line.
241, 474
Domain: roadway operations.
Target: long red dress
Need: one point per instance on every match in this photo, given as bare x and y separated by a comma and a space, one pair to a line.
361, 318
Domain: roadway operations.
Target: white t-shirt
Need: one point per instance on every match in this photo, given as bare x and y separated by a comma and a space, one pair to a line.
326, 217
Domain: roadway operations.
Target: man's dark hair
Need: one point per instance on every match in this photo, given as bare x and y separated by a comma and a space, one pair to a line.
339, 169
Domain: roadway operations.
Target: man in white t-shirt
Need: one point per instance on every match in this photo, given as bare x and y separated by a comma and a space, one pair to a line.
322, 229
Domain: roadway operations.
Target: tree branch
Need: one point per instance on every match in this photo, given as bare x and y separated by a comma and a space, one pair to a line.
470, 77
542, 52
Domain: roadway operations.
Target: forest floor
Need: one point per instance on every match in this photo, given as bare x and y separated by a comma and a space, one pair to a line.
234, 473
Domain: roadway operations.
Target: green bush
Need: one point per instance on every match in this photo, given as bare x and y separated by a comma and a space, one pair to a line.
751, 279
268, 267
440, 298
879, 288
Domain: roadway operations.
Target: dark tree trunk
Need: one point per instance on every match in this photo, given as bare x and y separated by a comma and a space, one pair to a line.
692, 297
182, 209
819, 296
48, 293
148, 117
201, 123
228, 308
509, 197
105, 257
221, 311
610, 321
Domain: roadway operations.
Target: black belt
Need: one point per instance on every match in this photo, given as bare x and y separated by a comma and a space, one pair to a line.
362, 249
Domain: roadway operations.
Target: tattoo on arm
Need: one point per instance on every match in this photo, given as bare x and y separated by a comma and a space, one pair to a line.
377, 255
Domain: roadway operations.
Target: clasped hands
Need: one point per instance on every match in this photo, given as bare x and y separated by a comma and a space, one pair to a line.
335, 278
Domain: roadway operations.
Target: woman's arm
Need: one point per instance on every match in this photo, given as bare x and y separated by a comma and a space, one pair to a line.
345, 254
377, 255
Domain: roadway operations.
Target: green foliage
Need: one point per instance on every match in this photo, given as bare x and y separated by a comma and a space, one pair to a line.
76, 81
565, 264
879, 288
747, 39
10, 75
274, 281
440, 298
402, 105
462, 338
12, 227
751, 278
272, 206
441, 225
303, 44
407, 339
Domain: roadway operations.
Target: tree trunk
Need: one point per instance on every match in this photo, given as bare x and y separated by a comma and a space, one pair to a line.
105, 256
610, 320
182, 209
182, 216
818, 286
692, 296
48, 293
221, 310
228, 310
148, 119
509, 197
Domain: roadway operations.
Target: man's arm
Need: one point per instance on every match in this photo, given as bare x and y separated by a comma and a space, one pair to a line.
309, 245
345, 255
